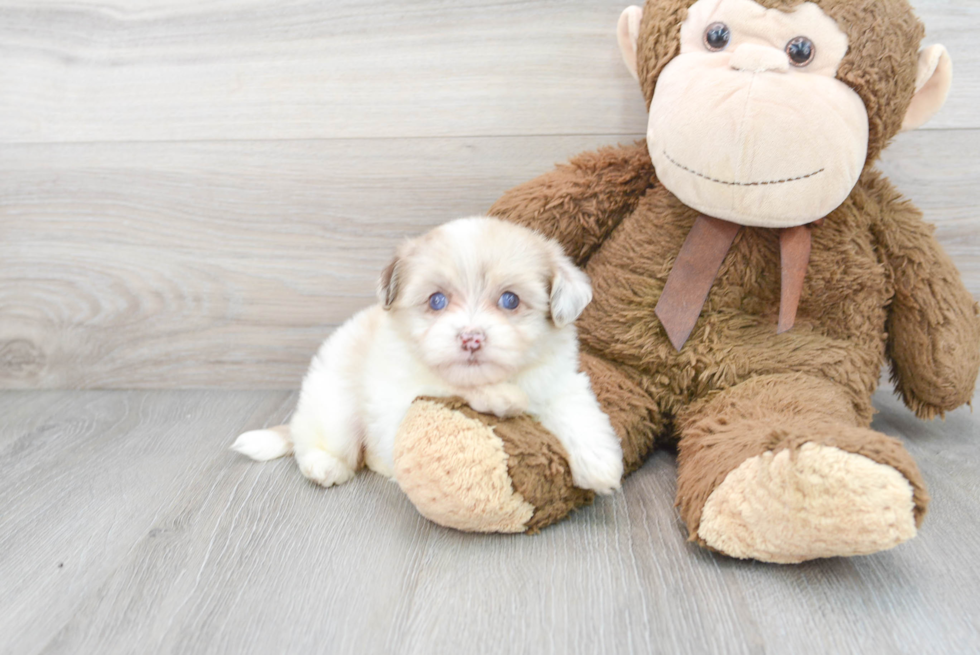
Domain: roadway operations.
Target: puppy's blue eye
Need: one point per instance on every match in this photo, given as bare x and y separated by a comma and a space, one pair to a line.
509, 300
438, 301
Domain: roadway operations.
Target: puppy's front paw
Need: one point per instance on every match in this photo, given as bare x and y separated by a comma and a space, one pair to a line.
597, 466
323, 468
502, 400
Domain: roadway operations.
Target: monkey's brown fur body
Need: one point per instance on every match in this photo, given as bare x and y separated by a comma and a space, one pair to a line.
878, 288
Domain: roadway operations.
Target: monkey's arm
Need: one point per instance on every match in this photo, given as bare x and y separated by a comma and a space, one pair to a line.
933, 325
579, 203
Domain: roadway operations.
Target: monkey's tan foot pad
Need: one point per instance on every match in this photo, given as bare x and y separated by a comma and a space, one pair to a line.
478, 473
817, 501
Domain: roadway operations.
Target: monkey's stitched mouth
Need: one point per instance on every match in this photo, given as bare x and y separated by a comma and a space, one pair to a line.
727, 183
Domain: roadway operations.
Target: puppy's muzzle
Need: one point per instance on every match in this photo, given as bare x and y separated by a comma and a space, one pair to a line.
471, 340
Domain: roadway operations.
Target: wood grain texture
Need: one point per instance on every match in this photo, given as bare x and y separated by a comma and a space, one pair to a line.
84, 478
171, 543
166, 70
218, 264
225, 264
182, 70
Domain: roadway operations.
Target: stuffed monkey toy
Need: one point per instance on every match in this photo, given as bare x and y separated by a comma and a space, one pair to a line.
752, 271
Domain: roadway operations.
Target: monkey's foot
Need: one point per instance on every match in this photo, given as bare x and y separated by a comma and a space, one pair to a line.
817, 501
479, 473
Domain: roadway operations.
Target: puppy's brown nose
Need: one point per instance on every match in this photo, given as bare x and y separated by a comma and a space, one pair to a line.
472, 340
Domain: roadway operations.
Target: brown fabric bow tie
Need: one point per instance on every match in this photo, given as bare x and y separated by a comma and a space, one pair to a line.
697, 266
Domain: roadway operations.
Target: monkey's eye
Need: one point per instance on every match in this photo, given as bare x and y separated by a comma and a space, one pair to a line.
801, 51
438, 301
509, 300
717, 36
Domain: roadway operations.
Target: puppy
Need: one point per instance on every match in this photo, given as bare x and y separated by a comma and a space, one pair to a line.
477, 308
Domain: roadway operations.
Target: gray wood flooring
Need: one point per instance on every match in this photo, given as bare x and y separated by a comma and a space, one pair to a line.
127, 526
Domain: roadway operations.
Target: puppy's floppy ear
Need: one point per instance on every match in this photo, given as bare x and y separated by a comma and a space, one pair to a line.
571, 290
388, 283
393, 277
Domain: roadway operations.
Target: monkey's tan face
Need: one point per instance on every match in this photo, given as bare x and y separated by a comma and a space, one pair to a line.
749, 124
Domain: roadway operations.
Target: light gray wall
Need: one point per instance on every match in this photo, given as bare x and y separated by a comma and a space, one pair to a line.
194, 192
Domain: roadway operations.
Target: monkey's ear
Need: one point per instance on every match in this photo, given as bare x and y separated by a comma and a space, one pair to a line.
932, 84
627, 32
388, 283
571, 290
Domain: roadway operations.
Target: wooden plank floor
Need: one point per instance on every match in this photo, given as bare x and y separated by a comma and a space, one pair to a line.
127, 526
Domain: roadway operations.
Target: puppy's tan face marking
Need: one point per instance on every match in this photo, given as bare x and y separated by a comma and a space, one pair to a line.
475, 297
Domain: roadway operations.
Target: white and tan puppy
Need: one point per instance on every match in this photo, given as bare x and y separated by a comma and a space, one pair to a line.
477, 308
